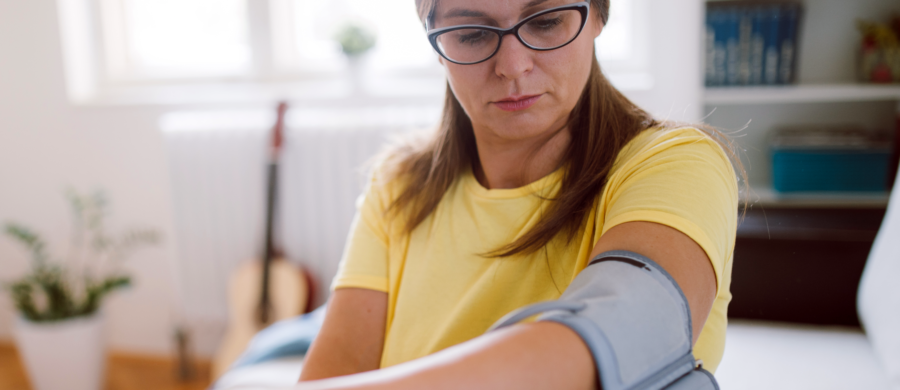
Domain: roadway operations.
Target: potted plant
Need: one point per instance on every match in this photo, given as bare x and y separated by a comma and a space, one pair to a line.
59, 330
355, 40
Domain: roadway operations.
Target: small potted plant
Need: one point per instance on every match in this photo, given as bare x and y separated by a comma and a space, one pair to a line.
355, 40
59, 332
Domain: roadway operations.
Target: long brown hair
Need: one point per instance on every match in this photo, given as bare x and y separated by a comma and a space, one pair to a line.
601, 123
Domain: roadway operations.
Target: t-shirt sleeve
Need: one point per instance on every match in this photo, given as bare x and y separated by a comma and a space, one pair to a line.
364, 263
682, 179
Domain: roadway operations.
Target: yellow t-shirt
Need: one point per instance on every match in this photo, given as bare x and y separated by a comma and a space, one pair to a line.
442, 292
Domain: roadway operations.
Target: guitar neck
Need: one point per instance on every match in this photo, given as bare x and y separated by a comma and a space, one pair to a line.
269, 252
271, 196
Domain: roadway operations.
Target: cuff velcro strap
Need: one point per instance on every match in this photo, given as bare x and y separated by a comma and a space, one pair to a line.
634, 319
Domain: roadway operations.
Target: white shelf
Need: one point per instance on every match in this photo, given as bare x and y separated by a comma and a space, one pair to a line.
818, 93
766, 196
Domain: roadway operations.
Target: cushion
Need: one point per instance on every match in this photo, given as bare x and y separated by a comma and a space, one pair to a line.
279, 373
879, 292
286, 338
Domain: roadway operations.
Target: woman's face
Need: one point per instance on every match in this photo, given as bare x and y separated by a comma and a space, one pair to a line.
519, 93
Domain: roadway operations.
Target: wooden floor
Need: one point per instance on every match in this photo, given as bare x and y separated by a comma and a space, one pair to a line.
123, 372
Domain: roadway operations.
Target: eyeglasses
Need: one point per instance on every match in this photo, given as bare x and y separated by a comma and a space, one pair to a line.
546, 30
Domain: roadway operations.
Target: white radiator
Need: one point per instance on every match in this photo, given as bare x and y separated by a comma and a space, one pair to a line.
217, 163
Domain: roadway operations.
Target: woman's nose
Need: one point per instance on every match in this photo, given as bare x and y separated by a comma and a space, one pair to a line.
513, 59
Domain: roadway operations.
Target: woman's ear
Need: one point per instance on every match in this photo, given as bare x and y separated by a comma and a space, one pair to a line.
598, 25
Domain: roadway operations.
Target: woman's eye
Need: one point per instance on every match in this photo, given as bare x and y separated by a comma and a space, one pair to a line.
546, 23
472, 38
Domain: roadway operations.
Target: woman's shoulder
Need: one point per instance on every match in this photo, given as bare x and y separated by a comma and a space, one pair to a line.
666, 136
383, 183
672, 141
390, 172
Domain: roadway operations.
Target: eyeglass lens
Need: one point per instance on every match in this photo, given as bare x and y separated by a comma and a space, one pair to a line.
547, 31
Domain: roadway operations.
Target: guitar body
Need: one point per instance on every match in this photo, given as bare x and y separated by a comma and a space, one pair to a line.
288, 297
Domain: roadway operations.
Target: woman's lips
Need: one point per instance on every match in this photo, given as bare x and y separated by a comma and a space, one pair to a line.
517, 103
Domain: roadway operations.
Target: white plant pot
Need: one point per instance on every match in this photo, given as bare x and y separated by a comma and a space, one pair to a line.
68, 355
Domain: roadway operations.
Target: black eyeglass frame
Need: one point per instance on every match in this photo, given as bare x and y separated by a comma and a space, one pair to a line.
583, 7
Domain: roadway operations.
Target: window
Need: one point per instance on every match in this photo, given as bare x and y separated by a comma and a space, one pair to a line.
170, 39
272, 42
303, 31
152, 39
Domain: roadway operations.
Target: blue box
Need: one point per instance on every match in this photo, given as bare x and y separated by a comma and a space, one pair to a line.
850, 170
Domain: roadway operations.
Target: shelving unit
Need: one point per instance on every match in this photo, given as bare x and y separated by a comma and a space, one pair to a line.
824, 104
826, 95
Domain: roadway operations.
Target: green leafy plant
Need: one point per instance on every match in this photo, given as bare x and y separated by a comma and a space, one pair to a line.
75, 287
355, 39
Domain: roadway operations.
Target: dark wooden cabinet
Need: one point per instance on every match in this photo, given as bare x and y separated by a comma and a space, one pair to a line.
802, 264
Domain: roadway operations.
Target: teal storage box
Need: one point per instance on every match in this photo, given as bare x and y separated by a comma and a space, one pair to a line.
829, 161
832, 170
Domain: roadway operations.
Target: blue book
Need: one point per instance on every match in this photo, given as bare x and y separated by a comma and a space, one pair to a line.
710, 52
720, 26
771, 39
715, 47
789, 25
757, 45
731, 29
745, 39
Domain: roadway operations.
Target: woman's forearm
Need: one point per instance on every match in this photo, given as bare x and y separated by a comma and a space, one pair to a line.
542, 355
351, 338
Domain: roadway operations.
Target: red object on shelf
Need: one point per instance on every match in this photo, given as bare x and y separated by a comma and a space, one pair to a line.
882, 74
869, 43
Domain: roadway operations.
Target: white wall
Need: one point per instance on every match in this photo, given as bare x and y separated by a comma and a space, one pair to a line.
676, 60
46, 144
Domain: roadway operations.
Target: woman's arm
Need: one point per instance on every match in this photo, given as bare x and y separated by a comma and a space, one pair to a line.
543, 355
352, 335
677, 253
546, 355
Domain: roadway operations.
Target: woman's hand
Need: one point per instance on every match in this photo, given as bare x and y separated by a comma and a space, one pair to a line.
352, 336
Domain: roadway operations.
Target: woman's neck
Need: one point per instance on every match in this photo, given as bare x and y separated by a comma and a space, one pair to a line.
513, 164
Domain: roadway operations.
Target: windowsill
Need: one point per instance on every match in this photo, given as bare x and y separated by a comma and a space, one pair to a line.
326, 93
313, 92
401, 117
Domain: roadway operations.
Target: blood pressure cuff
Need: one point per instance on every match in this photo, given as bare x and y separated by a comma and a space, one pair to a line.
634, 319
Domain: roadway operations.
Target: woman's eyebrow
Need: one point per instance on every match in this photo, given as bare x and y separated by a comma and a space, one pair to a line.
533, 3
466, 13
529, 8
469, 13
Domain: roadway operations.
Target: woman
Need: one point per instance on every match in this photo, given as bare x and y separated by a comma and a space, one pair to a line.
539, 164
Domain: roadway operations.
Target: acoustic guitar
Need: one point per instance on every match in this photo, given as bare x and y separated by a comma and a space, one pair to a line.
262, 291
